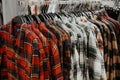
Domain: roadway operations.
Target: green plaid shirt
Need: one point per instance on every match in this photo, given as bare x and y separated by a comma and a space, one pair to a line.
93, 54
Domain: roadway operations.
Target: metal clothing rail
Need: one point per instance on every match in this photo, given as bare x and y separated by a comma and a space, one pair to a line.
62, 2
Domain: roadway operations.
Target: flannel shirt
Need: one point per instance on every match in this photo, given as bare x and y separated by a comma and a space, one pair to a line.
115, 55
6, 60
16, 67
100, 47
107, 49
83, 54
117, 25
54, 30
26, 56
61, 38
56, 73
93, 54
75, 69
46, 61
47, 32
94, 57
77, 51
64, 37
37, 54
66, 50
117, 29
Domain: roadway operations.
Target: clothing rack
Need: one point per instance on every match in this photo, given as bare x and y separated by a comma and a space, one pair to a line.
79, 5
65, 4
62, 2
42, 17
73, 45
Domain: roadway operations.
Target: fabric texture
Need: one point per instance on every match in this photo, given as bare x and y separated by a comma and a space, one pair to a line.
65, 48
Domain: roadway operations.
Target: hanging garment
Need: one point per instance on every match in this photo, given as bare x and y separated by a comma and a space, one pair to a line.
65, 48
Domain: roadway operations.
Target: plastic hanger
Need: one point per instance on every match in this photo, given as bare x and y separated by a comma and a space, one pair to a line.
30, 18
36, 18
42, 18
26, 19
57, 15
46, 17
51, 16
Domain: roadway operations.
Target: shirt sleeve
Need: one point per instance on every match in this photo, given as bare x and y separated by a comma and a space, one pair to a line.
55, 62
37, 60
94, 57
101, 49
1, 50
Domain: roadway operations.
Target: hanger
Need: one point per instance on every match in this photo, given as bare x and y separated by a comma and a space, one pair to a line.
51, 15
42, 18
24, 20
71, 12
29, 10
29, 14
48, 18
30, 18
36, 18
76, 13
80, 14
58, 15
27, 19
21, 19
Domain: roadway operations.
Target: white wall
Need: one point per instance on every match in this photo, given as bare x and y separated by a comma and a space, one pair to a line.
9, 9
12, 9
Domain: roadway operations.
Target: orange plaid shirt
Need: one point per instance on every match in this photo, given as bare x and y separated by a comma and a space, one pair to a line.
56, 72
24, 60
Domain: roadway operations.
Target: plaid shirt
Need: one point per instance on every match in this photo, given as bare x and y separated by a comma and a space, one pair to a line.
115, 55
46, 61
38, 54
100, 46
66, 55
75, 69
104, 37
26, 67
66, 51
15, 70
77, 52
117, 28
111, 67
58, 35
83, 54
56, 73
93, 54
107, 49
5, 47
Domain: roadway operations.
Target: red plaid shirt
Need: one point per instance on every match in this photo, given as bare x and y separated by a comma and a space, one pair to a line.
24, 58
23, 65
38, 54
8, 69
46, 62
56, 73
